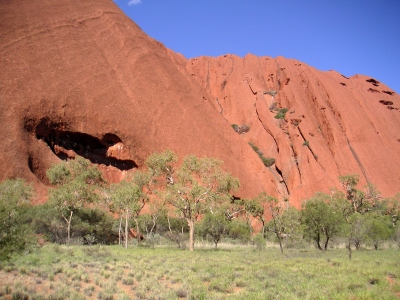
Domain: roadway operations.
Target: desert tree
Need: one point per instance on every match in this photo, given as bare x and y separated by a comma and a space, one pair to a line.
393, 208
256, 208
14, 235
193, 189
214, 225
379, 229
128, 199
288, 225
275, 209
362, 201
321, 221
75, 184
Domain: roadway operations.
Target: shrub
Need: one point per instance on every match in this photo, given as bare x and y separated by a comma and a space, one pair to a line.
281, 113
306, 143
267, 161
271, 93
259, 241
272, 107
241, 129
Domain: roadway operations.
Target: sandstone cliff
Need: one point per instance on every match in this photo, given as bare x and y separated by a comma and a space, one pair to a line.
80, 78
334, 125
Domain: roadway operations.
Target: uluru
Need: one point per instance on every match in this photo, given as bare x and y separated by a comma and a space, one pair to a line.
79, 78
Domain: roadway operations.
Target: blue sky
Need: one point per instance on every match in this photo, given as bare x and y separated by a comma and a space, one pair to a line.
349, 36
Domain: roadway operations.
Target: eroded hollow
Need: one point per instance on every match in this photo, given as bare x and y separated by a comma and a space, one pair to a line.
66, 144
386, 102
373, 81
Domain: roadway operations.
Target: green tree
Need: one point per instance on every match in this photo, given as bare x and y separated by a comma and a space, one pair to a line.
357, 230
288, 226
380, 229
14, 235
256, 209
129, 199
275, 209
74, 184
320, 220
362, 201
195, 188
393, 208
215, 226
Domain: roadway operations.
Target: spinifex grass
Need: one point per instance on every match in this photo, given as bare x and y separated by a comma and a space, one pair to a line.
228, 273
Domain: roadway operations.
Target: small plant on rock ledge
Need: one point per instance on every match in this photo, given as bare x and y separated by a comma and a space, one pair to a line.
281, 113
267, 161
271, 93
241, 129
306, 143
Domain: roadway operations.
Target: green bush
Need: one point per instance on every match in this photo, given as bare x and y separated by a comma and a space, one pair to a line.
241, 129
90, 226
259, 241
267, 161
15, 234
281, 113
238, 231
271, 93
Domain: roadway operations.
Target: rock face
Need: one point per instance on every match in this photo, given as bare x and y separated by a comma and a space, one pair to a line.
80, 78
333, 125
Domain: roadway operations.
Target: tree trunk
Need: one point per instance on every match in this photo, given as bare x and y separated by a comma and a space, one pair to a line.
120, 230
137, 230
169, 225
318, 240
154, 225
126, 229
349, 247
68, 221
191, 234
278, 234
326, 243
263, 228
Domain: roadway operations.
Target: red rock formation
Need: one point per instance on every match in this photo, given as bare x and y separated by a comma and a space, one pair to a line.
80, 78
345, 121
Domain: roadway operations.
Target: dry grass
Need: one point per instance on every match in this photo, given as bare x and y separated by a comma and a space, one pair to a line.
232, 272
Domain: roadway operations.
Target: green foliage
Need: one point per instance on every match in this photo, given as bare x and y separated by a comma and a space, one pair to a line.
75, 185
271, 93
289, 226
267, 161
162, 164
241, 129
214, 226
128, 199
259, 241
15, 236
281, 113
357, 229
235, 127
306, 143
238, 231
320, 220
89, 225
380, 229
200, 183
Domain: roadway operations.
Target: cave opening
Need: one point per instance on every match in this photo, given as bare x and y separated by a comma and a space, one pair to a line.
65, 144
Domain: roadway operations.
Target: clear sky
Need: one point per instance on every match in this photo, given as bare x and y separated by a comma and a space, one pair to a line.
349, 36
